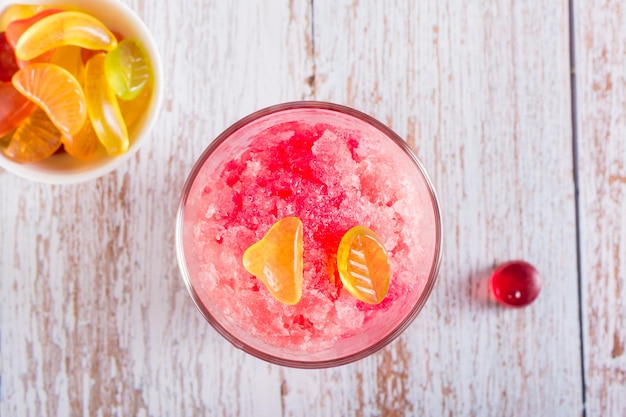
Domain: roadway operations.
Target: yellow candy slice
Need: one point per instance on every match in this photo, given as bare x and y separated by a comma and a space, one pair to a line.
57, 92
363, 265
104, 111
65, 28
277, 260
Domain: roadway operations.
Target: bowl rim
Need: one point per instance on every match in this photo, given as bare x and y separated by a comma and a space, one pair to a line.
29, 171
325, 363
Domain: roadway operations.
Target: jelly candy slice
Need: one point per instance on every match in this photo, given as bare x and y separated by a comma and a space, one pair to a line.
363, 265
515, 284
82, 145
8, 63
57, 92
128, 69
17, 12
277, 260
18, 27
104, 112
65, 28
14, 108
37, 138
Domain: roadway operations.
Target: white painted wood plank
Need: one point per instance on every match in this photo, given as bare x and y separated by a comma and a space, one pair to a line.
601, 89
481, 90
95, 319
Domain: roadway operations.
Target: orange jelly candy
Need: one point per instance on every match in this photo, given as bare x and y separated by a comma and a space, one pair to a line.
363, 265
277, 260
57, 92
36, 139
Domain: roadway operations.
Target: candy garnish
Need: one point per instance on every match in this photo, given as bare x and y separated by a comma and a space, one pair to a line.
128, 69
65, 28
57, 92
103, 109
277, 260
363, 265
37, 138
515, 284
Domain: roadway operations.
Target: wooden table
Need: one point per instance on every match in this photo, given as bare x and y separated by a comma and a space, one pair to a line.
517, 109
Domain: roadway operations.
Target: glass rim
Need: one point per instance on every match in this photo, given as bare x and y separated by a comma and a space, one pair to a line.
313, 364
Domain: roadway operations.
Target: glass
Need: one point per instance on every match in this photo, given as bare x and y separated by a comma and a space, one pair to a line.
334, 168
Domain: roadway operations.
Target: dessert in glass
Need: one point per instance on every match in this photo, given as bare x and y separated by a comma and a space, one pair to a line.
309, 234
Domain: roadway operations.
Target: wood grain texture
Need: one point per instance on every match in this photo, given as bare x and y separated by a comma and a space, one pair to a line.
95, 319
601, 90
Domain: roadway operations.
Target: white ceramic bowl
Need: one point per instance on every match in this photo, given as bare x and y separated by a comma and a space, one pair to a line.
62, 168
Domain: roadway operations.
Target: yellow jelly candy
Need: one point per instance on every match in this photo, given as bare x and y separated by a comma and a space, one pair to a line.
363, 265
104, 112
277, 260
65, 28
57, 92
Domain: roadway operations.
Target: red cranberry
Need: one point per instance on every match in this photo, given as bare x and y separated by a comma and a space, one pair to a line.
515, 284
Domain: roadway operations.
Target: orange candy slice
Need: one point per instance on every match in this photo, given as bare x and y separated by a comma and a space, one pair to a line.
37, 138
277, 260
57, 92
65, 28
363, 265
